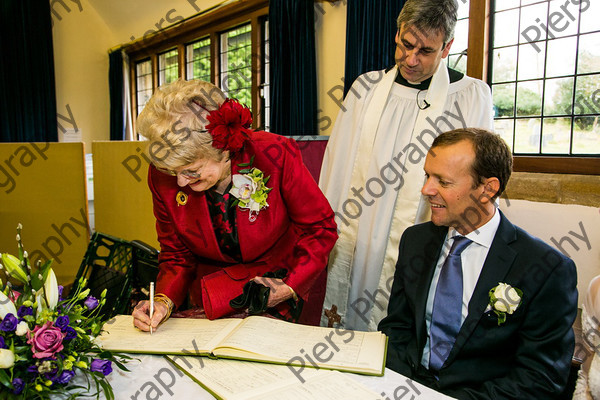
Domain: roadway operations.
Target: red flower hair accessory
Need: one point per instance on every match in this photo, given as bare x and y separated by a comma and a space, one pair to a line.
229, 125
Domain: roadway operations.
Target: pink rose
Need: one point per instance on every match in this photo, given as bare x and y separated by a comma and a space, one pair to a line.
45, 340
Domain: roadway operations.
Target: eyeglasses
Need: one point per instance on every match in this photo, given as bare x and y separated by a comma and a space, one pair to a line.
186, 172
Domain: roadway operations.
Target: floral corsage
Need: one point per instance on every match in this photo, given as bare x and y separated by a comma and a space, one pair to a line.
250, 190
504, 299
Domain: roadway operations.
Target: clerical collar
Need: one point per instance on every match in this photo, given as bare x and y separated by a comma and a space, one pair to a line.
452, 74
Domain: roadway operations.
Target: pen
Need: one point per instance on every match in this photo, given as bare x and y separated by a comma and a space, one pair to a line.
151, 304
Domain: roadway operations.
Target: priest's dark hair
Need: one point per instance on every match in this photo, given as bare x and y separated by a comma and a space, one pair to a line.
493, 158
430, 16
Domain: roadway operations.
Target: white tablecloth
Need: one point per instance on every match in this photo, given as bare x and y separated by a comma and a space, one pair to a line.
153, 377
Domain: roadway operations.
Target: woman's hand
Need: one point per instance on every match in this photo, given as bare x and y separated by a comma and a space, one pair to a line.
279, 290
141, 317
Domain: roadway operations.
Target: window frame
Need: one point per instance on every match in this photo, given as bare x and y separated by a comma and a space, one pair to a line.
480, 14
210, 23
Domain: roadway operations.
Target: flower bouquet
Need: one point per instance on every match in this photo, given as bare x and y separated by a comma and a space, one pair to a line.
45, 340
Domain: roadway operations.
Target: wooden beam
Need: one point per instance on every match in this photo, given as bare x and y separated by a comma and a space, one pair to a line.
479, 22
255, 67
196, 27
557, 165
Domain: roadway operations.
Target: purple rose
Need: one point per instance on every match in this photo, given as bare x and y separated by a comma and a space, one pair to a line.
2, 343
62, 322
65, 377
9, 323
23, 311
70, 333
91, 302
45, 340
104, 366
18, 385
32, 369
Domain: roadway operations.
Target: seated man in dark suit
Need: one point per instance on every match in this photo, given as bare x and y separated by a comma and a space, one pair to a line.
479, 309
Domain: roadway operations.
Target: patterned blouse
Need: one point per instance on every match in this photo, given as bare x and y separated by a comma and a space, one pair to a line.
222, 214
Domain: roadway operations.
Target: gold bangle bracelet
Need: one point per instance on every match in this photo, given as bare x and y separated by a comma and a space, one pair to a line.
294, 295
166, 301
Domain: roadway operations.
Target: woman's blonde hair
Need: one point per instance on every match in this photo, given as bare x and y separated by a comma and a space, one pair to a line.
174, 121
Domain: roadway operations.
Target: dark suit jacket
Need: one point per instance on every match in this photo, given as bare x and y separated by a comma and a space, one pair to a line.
296, 231
527, 357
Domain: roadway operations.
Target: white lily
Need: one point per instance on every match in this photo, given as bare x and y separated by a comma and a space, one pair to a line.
41, 303
13, 267
6, 306
51, 288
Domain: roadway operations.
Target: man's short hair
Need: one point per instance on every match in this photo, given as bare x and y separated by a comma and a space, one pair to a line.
492, 155
430, 16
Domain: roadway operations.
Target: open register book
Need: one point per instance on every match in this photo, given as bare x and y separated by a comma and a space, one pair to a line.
244, 380
254, 339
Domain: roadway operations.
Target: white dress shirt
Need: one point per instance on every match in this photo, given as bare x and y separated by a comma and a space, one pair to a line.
472, 259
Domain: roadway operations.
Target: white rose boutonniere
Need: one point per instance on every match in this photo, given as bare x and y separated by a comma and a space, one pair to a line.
504, 299
251, 191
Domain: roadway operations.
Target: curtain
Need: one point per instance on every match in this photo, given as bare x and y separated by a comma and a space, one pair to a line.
27, 88
370, 32
128, 122
293, 80
115, 87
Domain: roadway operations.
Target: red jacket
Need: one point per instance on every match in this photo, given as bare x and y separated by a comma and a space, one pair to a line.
297, 231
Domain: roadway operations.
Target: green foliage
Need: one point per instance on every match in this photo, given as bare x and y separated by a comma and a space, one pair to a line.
528, 102
587, 94
504, 98
237, 82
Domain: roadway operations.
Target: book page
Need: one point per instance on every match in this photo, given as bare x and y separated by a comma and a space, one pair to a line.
243, 380
174, 336
279, 341
326, 385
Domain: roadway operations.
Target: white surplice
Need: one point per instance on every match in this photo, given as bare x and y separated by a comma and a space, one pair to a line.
372, 174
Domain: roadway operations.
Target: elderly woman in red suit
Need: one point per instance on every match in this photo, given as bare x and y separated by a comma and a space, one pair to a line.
231, 206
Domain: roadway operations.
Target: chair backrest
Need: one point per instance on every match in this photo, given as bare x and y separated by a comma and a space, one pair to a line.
145, 270
107, 264
312, 149
121, 267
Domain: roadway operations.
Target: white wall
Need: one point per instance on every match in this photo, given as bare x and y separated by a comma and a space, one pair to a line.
85, 30
81, 40
83, 33
330, 28
572, 229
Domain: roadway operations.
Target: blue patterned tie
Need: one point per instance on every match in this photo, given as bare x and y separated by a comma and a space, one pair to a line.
447, 306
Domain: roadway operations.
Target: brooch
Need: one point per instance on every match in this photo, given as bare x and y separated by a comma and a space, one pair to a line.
181, 198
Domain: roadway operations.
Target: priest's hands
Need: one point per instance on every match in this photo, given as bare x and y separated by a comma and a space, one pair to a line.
279, 290
141, 317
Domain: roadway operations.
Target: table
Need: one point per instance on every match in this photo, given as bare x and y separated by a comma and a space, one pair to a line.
153, 377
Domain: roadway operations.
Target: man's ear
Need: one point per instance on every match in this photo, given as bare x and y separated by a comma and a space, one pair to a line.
491, 186
446, 49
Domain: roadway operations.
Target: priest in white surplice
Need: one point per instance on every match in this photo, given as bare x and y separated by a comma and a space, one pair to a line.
372, 172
